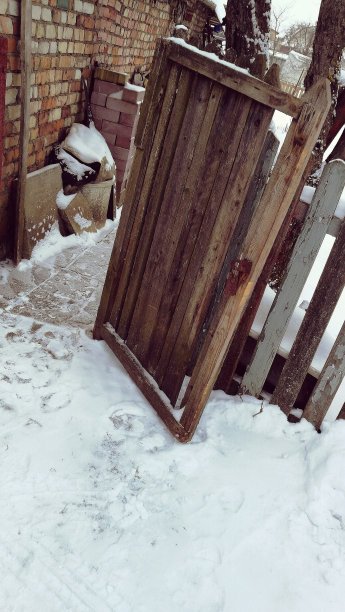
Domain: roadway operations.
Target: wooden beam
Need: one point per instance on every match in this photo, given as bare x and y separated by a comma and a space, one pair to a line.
233, 77
25, 61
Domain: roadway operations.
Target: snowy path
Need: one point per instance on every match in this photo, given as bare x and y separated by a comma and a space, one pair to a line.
103, 510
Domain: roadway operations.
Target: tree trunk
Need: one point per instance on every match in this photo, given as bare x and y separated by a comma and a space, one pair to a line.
247, 34
328, 44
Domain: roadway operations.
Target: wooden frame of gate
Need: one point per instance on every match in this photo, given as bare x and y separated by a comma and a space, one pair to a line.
187, 231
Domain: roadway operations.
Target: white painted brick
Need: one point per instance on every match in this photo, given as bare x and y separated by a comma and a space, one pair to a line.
36, 11
88, 8
46, 14
43, 47
53, 47
3, 7
13, 7
64, 17
78, 6
11, 96
68, 33
9, 79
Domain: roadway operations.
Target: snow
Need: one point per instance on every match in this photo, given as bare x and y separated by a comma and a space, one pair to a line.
62, 200
87, 144
211, 56
104, 510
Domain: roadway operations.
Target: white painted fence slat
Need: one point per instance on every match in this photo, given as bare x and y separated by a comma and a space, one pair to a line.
314, 229
328, 382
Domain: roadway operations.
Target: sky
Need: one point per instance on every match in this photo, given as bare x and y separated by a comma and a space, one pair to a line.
295, 10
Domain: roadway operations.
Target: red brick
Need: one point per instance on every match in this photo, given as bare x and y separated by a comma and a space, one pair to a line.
110, 138
106, 88
120, 153
117, 128
98, 98
99, 112
121, 106
98, 125
124, 142
120, 163
130, 120
133, 96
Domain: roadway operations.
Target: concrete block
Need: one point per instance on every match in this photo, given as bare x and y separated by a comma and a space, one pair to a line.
40, 210
78, 216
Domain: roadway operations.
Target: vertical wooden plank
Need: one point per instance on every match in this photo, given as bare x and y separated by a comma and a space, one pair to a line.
219, 158
141, 198
309, 241
241, 334
313, 326
153, 106
155, 183
170, 222
328, 383
204, 283
264, 228
198, 178
253, 196
25, 62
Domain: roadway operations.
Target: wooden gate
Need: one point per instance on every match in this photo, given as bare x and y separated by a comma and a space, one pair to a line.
187, 228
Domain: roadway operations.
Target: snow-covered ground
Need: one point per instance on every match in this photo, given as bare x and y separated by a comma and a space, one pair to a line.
103, 510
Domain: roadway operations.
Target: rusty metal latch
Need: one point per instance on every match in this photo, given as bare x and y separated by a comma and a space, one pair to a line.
239, 272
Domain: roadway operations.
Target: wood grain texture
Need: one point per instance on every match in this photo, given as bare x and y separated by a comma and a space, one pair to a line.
267, 219
209, 267
252, 199
234, 78
139, 199
167, 226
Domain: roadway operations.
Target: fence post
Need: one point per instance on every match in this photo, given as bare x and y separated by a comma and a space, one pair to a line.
306, 248
328, 382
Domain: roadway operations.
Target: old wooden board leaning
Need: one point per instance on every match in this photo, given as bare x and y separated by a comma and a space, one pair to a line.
201, 133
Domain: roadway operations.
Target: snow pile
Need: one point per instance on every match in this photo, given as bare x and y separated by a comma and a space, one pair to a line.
104, 510
87, 144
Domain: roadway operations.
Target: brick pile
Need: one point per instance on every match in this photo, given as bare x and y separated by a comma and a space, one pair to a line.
116, 111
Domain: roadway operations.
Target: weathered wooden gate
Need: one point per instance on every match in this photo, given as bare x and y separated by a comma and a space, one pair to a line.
187, 227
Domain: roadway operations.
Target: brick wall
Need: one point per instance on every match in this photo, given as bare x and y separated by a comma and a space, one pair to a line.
119, 34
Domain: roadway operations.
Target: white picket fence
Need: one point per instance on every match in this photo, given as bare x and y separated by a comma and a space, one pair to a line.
319, 220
